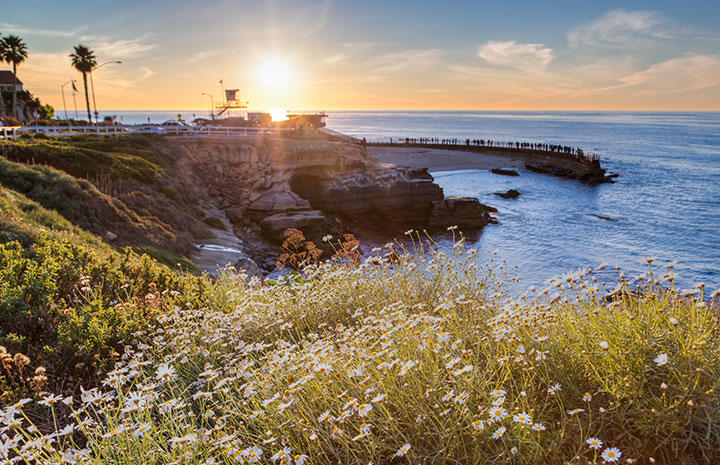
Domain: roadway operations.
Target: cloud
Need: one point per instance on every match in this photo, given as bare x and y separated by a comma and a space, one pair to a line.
361, 46
304, 21
204, 55
8, 28
46, 67
687, 73
516, 55
335, 59
417, 59
146, 73
619, 26
122, 48
111, 80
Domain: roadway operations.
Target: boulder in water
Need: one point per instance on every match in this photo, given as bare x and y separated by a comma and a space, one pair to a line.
510, 194
504, 172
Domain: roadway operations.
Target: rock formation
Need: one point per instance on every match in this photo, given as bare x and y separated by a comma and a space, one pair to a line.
264, 186
510, 194
504, 172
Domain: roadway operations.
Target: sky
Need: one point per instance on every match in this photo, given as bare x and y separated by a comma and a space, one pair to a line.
659, 55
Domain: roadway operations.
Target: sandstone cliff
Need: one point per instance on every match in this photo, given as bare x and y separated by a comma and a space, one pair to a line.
265, 185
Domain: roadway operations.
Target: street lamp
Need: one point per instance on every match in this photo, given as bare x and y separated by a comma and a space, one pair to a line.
212, 115
62, 89
92, 84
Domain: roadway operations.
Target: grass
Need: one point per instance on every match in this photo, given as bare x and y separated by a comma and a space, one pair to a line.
92, 156
51, 188
409, 357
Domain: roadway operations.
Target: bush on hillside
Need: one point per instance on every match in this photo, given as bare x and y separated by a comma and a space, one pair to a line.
70, 309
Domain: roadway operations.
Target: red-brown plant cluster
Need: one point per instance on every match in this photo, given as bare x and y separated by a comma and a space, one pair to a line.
349, 251
299, 252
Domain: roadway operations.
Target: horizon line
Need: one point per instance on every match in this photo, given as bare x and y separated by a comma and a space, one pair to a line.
446, 110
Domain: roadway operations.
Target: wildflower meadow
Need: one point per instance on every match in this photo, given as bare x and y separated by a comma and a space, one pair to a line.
404, 356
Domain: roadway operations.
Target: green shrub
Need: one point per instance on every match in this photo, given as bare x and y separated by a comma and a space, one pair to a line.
64, 304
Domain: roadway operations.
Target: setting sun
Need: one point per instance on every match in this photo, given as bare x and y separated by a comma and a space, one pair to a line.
275, 73
278, 114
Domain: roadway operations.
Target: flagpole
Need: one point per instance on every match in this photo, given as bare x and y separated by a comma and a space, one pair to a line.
74, 100
62, 89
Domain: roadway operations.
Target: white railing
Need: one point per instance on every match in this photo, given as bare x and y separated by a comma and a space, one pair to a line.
11, 132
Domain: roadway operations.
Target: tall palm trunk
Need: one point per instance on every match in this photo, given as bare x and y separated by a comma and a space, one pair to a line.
3, 111
87, 97
14, 103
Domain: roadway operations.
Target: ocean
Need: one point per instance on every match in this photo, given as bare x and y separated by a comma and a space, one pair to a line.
665, 203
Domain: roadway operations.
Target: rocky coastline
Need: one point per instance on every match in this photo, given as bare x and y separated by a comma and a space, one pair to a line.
260, 187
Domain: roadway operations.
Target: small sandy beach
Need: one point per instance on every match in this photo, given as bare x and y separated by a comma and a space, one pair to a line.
441, 160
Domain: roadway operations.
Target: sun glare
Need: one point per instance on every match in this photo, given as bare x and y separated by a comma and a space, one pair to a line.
275, 73
278, 114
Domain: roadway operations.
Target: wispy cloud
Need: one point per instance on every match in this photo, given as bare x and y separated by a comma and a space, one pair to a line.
619, 26
143, 74
417, 59
122, 48
682, 74
360, 46
8, 28
205, 54
305, 21
146, 73
516, 55
335, 59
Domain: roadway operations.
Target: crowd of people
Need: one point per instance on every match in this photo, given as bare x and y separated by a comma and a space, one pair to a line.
555, 148
491, 143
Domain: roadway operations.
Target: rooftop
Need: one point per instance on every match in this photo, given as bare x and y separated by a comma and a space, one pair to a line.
8, 78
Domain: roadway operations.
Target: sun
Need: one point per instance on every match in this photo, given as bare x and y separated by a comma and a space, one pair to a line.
275, 73
278, 114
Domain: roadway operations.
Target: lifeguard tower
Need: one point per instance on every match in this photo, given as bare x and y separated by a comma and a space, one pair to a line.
232, 107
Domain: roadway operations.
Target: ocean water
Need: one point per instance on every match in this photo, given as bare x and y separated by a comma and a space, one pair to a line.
665, 203
154, 117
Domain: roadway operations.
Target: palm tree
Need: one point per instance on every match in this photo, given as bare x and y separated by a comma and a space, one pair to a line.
14, 51
83, 60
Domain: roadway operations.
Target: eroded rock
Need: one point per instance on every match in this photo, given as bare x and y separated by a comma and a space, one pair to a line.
464, 212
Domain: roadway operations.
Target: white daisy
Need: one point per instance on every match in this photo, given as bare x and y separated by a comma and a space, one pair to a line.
661, 360
611, 454
594, 443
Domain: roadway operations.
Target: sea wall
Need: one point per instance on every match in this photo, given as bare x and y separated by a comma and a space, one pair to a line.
581, 167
